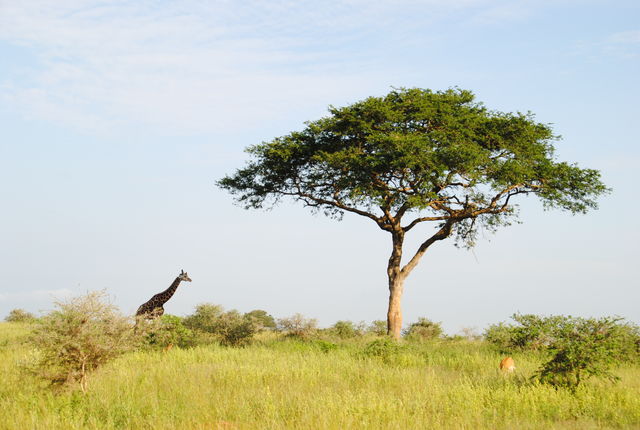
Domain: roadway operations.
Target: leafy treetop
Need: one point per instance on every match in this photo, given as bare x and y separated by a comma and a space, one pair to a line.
437, 154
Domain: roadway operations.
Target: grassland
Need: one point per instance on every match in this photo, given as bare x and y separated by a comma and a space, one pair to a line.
280, 384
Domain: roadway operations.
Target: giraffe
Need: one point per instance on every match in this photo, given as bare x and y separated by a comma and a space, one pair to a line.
153, 308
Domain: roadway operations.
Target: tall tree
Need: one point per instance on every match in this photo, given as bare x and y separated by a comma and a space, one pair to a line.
416, 156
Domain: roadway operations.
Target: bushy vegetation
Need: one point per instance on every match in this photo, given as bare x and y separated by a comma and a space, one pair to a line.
79, 336
168, 331
531, 332
283, 382
378, 327
576, 348
298, 326
582, 348
423, 329
229, 328
84, 334
205, 318
20, 315
262, 319
348, 329
385, 349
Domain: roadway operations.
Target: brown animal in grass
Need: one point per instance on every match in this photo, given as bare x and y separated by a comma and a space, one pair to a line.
507, 365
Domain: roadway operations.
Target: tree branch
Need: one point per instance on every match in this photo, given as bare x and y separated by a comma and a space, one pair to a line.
443, 233
423, 219
308, 198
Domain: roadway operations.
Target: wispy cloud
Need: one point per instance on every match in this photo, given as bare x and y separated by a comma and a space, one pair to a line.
191, 67
510, 11
194, 70
625, 44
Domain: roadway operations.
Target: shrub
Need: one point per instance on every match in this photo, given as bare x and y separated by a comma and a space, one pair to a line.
584, 348
347, 329
385, 349
501, 336
378, 327
231, 328
630, 341
234, 329
169, 330
298, 326
205, 318
532, 332
20, 315
325, 346
79, 336
262, 319
423, 329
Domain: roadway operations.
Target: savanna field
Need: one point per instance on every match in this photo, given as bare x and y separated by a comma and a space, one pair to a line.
278, 382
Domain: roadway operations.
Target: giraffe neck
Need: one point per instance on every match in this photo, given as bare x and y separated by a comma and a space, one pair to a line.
166, 294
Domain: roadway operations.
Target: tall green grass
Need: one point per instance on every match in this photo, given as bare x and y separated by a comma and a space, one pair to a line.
282, 384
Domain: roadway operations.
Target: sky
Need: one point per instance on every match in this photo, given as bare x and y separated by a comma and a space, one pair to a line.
117, 118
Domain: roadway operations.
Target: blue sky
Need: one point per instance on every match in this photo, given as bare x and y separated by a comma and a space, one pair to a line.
118, 117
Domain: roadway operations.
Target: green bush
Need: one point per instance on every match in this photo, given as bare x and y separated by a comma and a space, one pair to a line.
500, 336
205, 318
538, 333
20, 315
385, 349
325, 346
585, 348
79, 336
347, 329
169, 330
230, 328
378, 327
262, 319
423, 329
531, 332
234, 329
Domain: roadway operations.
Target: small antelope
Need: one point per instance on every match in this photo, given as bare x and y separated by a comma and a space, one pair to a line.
507, 365
168, 347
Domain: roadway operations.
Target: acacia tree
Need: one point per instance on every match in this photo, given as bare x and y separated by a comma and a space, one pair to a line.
416, 156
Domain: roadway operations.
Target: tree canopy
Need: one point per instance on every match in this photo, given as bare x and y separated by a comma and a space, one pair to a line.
416, 150
413, 156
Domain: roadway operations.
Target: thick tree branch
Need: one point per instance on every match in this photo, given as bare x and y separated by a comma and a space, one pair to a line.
441, 234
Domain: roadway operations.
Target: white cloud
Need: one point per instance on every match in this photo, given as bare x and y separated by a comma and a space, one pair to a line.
196, 70
626, 37
193, 67
624, 44
512, 11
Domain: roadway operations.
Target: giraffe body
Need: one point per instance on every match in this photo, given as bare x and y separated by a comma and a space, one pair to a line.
153, 308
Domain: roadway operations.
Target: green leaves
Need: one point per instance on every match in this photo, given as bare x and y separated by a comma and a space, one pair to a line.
416, 150
576, 348
583, 348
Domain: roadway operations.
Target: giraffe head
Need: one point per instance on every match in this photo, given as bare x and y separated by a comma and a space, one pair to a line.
184, 276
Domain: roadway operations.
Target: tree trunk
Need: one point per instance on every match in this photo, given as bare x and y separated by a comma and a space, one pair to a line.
396, 286
394, 314
397, 274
